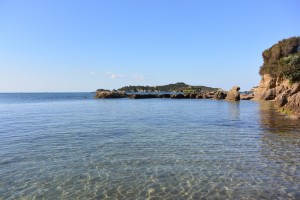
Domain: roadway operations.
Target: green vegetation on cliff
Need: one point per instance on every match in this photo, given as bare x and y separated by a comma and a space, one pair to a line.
177, 87
283, 59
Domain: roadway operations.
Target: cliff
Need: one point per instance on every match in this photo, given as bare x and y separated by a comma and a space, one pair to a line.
281, 76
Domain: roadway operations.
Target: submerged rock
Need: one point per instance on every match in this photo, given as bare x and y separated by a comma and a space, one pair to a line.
233, 94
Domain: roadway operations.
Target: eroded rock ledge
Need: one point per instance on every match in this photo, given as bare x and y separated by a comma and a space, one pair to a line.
285, 95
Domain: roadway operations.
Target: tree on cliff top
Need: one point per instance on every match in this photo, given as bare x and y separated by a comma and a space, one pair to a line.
283, 59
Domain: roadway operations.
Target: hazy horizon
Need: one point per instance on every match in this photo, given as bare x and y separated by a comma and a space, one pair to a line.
74, 46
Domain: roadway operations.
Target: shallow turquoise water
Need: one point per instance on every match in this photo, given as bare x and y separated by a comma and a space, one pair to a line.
65, 146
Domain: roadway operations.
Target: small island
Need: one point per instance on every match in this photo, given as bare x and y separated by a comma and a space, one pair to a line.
178, 90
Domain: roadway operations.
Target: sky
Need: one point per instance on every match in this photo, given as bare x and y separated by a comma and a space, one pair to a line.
76, 46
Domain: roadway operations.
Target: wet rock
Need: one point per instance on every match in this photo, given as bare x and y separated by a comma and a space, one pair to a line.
233, 94
164, 96
177, 96
143, 96
190, 95
209, 95
199, 96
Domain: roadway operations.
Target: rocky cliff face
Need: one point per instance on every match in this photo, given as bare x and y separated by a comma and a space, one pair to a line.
280, 76
270, 87
285, 94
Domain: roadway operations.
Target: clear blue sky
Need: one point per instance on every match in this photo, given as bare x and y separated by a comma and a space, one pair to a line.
55, 45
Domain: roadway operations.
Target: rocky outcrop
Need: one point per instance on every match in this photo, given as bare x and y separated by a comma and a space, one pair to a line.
289, 102
177, 96
109, 94
246, 96
219, 95
270, 87
293, 104
233, 94
142, 96
285, 95
164, 96
190, 95
281, 99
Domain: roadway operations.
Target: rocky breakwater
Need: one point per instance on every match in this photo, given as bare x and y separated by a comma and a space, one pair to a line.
280, 73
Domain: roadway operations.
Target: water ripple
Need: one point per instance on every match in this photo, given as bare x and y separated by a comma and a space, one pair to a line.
148, 149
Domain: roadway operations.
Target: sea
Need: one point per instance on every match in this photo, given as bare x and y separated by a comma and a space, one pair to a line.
72, 146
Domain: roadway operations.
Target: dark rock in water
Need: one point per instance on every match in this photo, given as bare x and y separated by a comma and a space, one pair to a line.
199, 96
219, 95
206, 96
190, 95
233, 94
143, 96
164, 96
177, 96
109, 94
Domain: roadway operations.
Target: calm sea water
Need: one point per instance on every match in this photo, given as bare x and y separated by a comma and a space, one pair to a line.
71, 146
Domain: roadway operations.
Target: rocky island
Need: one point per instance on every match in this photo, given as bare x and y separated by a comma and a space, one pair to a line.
178, 90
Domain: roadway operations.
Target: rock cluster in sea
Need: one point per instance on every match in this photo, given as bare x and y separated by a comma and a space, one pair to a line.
234, 95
